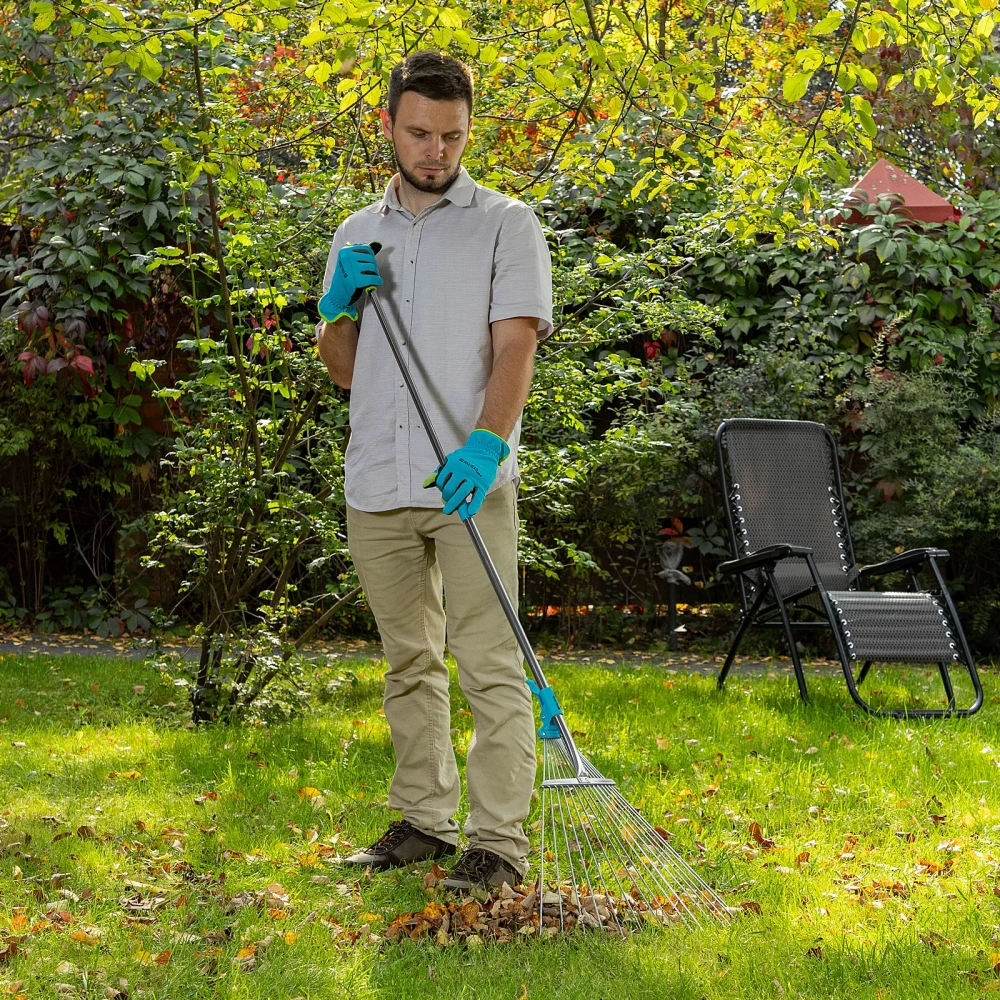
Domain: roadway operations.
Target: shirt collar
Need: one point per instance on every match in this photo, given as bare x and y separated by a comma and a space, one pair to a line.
460, 193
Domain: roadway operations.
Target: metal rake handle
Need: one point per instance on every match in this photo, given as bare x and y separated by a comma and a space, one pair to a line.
551, 713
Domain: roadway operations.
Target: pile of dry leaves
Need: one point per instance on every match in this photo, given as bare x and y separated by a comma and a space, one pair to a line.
518, 911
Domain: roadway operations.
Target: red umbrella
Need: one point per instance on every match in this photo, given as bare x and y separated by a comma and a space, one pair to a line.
909, 196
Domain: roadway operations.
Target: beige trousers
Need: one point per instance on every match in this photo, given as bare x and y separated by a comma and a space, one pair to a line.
402, 557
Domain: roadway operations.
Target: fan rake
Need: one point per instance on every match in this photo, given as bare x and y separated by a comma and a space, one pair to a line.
602, 865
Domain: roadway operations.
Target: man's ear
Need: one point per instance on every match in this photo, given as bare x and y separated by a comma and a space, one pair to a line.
386, 124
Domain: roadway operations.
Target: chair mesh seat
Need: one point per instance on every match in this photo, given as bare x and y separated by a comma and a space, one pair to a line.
893, 625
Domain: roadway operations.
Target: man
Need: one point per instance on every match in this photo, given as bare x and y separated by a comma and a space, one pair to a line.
465, 277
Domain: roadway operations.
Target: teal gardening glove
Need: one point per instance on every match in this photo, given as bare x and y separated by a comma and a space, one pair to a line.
356, 270
470, 469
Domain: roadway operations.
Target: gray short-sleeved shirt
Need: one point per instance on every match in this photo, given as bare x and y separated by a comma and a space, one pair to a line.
469, 260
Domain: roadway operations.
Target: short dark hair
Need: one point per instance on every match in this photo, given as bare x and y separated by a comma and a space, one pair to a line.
435, 75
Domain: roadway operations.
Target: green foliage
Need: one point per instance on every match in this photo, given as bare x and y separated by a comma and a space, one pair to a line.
173, 177
250, 509
931, 477
54, 448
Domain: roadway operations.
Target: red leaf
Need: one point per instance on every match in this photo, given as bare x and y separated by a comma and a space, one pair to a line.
83, 364
56, 365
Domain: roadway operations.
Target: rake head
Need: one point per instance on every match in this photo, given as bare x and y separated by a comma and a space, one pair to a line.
603, 866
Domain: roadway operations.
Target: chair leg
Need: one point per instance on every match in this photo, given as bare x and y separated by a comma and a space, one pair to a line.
744, 625
796, 662
970, 663
946, 680
864, 673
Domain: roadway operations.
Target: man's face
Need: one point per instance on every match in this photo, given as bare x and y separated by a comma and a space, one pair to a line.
429, 138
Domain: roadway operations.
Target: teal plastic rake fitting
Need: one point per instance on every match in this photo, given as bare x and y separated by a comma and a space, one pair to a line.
550, 709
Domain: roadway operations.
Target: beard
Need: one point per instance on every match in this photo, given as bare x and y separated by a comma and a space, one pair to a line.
430, 185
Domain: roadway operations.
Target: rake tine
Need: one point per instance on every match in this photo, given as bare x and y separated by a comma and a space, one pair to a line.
611, 835
638, 874
668, 858
660, 880
541, 854
569, 859
600, 872
660, 848
555, 856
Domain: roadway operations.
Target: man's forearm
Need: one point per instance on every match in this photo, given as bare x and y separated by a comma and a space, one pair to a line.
338, 346
507, 389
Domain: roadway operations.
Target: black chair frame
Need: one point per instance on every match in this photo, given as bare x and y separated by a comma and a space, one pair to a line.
763, 605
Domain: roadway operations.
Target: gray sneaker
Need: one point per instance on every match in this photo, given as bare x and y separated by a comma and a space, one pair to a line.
401, 845
478, 866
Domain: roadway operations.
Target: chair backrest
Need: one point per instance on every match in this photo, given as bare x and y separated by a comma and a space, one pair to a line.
782, 485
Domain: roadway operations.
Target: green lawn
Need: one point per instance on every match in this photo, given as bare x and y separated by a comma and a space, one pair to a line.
883, 882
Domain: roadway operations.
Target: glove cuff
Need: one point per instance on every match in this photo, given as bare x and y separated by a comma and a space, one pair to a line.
490, 443
349, 311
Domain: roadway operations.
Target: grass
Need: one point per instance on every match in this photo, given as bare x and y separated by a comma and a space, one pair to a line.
897, 897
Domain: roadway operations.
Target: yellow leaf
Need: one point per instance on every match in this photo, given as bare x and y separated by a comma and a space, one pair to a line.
549, 17
290, 937
131, 774
143, 957
84, 938
308, 792
369, 918
246, 952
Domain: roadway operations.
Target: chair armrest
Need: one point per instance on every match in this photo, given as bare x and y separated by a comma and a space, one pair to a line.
762, 557
912, 559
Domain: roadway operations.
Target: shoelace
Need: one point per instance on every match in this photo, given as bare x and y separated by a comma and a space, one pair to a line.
476, 863
398, 831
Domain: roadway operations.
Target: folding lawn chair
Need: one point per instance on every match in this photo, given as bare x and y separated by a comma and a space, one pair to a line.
795, 567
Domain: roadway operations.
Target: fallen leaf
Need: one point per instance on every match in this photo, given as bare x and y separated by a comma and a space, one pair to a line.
801, 859
758, 836
662, 743
308, 792
86, 832
84, 938
290, 937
